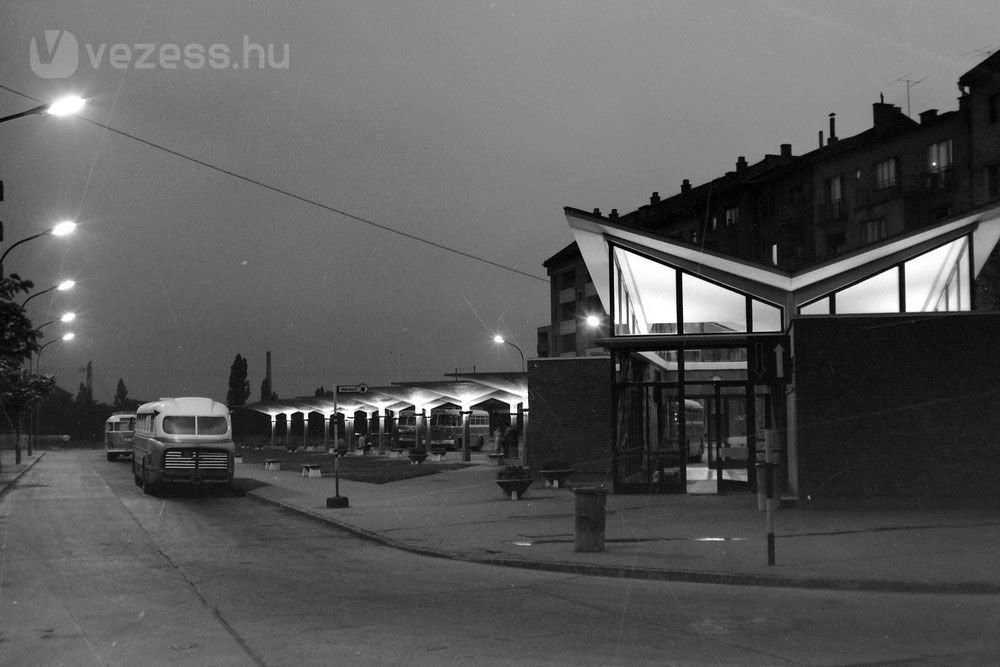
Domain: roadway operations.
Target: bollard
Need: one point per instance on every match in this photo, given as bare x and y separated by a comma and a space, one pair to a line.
591, 508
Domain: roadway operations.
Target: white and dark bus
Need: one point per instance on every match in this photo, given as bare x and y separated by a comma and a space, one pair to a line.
118, 433
445, 429
185, 440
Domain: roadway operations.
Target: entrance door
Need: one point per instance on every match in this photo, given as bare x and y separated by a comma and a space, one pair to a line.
688, 421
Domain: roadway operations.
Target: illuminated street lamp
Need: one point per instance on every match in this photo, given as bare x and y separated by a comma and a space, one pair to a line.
64, 106
60, 229
68, 317
62, 287
38, 356
498, 339
38, 362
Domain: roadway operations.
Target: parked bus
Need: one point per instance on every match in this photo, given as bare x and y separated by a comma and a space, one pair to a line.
445, 430
118, 431
186, 440
448, 431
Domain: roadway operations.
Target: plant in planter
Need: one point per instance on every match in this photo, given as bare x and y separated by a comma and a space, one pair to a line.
514, 480
556, 472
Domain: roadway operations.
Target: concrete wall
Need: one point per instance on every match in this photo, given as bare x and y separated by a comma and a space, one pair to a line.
897, 406
570, 416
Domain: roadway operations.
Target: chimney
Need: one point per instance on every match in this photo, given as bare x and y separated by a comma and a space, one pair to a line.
597, 212
833, 129
686, 186
614, 214
786, 150
928, 116
741, 164
654, 198
821, 138
883, 113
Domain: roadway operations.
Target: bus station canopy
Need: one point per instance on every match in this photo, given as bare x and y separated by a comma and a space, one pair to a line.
463, 390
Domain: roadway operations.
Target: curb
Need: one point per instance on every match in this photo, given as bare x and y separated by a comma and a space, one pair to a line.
9, 484
652, 574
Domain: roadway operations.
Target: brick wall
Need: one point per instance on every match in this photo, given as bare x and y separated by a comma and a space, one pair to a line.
570, 413
898, 406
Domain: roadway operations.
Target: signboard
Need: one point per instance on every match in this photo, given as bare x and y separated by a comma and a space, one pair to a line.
769, 359
352, 388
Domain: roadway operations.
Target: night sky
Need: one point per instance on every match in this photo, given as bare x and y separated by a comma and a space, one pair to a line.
372, 198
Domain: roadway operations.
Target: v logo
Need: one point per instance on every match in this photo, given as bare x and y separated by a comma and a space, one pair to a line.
56, 56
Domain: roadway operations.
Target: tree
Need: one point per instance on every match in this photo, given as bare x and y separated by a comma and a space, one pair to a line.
18, 337
19, 390
266, 393
121, 401
239, 385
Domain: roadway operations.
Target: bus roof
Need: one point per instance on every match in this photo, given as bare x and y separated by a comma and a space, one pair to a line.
120, 416
191, 406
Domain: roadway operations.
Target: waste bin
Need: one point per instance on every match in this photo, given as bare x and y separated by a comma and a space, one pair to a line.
591, 509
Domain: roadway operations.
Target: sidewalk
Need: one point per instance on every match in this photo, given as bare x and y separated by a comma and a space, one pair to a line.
463, 514
9, 471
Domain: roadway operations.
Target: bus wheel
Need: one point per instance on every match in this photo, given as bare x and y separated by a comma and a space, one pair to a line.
147, 487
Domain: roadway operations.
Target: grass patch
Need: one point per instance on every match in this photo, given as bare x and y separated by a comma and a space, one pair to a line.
369, 469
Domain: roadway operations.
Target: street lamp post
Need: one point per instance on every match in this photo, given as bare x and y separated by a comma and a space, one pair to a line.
64, 106
62, 287
61, 229
38, 365
500, 340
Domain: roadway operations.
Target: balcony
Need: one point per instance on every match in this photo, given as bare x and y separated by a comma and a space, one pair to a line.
880, 195
832, 212
940, 181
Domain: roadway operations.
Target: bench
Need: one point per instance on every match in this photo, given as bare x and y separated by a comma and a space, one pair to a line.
312, 470
272, 464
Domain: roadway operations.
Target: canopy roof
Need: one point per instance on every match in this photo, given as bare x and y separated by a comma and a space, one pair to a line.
595, 237
465, 391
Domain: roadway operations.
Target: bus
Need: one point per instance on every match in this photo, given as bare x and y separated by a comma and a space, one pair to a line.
118, 432
446, 429
185, 440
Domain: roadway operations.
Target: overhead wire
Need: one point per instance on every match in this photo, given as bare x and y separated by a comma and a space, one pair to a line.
287, 193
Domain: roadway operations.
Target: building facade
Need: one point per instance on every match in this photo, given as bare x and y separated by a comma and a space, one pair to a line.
711, 295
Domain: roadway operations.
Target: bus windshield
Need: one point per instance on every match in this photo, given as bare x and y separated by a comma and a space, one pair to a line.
194, 425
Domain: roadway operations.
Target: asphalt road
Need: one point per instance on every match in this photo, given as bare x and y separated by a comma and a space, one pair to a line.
92, 572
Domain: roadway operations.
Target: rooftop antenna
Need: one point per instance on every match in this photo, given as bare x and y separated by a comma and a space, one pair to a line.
910, 83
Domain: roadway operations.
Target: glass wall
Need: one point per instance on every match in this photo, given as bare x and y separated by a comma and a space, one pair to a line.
652, 297
938, 280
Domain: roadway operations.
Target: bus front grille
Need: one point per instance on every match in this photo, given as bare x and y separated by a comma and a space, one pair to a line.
195, 459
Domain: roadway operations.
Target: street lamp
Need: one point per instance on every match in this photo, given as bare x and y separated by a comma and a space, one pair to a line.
64, 106
60, 229
500, 340
38, 363
38, 355
62, 287
68, 317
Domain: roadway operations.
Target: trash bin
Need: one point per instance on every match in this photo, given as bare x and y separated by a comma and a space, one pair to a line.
591, 508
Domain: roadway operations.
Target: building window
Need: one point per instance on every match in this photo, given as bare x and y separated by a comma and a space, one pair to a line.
993, 108
732, 216
834, 190
885, 174
774, 254
873, 230
939, 157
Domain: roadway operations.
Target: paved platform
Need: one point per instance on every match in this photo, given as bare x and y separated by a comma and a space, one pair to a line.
463, 514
